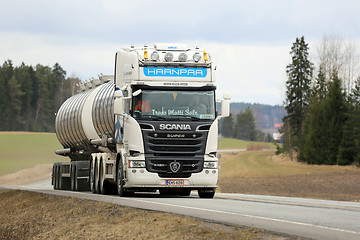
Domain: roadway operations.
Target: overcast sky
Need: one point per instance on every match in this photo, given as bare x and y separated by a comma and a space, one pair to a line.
249, 40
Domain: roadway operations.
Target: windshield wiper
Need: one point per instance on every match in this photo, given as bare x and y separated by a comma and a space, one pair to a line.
188, 116
155, 117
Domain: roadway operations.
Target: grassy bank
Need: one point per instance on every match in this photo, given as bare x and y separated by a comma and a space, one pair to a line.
24, 150
28, 215
264, 173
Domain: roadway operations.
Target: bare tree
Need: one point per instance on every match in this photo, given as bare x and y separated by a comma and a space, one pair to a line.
339, 56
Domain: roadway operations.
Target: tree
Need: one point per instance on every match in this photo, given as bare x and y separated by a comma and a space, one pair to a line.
335, 112
338, 55
349, 149
245, 126
228, 126
6, 72
298, 91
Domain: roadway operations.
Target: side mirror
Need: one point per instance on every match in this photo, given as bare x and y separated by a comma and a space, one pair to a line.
226, 96
225, 108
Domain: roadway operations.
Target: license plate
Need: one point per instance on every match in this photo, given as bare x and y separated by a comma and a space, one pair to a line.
174, 182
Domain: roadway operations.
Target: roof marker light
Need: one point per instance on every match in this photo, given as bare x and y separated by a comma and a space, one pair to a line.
205, 56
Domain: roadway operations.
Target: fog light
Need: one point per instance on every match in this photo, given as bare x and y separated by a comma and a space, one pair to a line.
169, 57
183, 57
136, 164
155, 56
197, 57
207, 171
133, 171
214, 171
210, 165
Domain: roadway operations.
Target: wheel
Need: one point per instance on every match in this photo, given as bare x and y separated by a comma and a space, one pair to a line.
96, 182
63, 182
59, 177
206, 193
72, 177
104, 185
120, 179
55, 177
92, 177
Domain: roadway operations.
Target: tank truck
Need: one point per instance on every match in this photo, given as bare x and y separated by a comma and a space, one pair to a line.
152, 126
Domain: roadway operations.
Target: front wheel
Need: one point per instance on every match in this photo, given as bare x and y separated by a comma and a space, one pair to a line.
120, 179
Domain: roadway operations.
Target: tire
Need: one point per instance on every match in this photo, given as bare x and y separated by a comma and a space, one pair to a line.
92, 177
104, 186
96, 182
120, 179
64, 182
72, 177
55, 177
206, 193
59, 177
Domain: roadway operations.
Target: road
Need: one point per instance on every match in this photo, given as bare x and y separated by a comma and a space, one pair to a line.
309, 218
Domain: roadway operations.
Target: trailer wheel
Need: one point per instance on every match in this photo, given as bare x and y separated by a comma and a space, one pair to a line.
72, 177
55, 177
92, 177
120, 179
97, 187
104, 185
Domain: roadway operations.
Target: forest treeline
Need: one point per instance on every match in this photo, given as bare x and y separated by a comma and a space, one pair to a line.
30, 96
322, 125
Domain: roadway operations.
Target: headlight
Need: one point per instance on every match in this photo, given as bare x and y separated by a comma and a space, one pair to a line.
212, 165
154, 56
183, 57
136, 164
197, 57
169, 57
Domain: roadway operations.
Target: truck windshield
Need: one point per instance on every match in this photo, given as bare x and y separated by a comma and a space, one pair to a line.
168, 104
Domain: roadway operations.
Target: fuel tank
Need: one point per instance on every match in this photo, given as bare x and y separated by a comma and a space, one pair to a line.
86, 116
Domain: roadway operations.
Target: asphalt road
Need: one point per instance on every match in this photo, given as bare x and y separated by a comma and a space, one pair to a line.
316, 219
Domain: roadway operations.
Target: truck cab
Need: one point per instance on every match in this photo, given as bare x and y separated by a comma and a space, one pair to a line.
166, 119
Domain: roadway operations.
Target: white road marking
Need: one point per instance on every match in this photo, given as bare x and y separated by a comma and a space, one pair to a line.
252, 216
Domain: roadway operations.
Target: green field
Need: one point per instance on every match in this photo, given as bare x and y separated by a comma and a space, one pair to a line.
231, 143
24, 150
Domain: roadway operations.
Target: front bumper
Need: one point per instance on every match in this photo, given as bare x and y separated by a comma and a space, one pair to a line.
140, 178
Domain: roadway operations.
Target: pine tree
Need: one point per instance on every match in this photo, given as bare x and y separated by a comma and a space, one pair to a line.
335, 112
14, 118
349, 149
6, 72
298, 91
228, 126
245, 126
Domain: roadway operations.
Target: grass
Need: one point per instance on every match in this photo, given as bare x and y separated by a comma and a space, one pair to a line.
231, 143
266, 163
24, 150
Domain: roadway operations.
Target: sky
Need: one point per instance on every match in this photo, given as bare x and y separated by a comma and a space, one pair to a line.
250, 41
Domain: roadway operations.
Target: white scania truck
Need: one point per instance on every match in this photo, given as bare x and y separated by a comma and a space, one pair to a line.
152, 126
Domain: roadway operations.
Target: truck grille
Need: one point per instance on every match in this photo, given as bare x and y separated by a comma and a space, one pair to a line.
164, 147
